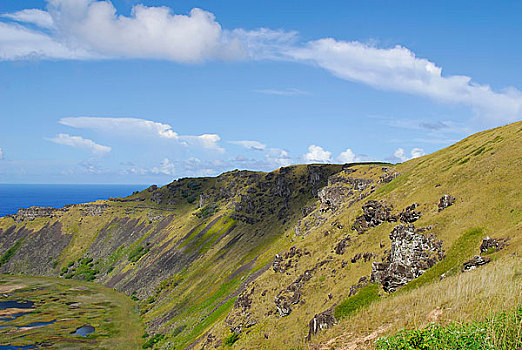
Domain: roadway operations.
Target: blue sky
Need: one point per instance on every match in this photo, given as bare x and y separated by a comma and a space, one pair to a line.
148, 91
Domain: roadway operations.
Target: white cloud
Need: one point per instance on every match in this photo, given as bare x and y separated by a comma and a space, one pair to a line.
282, 92
140, 127
417, 152
92, 29
253, 145
80, 142
400, 154
398, 69
34, 16
1, 154
316, 154
277, 157
166, 168
347, 157
18, 42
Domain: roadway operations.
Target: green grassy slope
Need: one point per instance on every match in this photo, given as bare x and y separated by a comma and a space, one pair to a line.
197, 254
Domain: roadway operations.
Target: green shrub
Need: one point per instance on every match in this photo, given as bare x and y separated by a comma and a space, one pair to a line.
502, 332
231, 339
363, 298
156, 338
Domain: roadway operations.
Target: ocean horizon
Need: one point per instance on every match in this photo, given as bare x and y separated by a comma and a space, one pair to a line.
17, 196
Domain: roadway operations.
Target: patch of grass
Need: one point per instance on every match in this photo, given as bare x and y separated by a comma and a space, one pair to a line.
459, 252
363, 298
10, 252
156, 338
502, 332
136, 253
231, 339
207, 210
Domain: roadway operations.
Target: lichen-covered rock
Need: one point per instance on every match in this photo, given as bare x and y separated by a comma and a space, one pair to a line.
374, 214
492, 243
446, 201
475, 262
410, 256
323, 320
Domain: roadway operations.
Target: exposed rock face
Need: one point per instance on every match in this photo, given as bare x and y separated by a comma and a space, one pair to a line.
332, 197
388, 177
323, 320
446, 201
292, 294
374, 214
492, 243
32, 213
475, 262
286, 261
93, 209
36, 254
410, 256
409, 214
244, 300
340, 247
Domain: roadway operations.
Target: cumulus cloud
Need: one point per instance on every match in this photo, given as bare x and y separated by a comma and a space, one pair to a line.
80, 142
400, 154
92, 29
398, 69
253, 145
141, 127
347, 157
316, 154
417, 152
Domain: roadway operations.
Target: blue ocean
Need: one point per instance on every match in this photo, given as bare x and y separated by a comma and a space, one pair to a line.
14, 197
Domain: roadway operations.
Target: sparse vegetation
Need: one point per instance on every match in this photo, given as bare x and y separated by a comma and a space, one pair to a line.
364, 297
10, 252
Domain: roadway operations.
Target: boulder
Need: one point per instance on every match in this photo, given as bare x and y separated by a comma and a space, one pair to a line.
475, 262
323, 320
411, 254
446, 201
374, 214
492, 243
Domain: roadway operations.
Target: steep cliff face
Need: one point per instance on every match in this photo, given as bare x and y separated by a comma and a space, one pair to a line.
283, 259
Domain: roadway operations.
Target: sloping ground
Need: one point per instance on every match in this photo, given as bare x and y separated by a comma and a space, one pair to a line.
248, 259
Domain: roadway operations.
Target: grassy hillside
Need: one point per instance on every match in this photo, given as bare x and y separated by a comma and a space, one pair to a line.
247, 259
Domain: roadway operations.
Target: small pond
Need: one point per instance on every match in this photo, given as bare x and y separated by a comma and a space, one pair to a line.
83, 331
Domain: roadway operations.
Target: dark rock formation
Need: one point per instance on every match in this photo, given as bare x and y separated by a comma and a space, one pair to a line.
363, 281
292, 294
492, 243
374, 214
340, 247
244, 300
323, 320
446, 201
388, 177
409, 215
410, 256
475, 262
